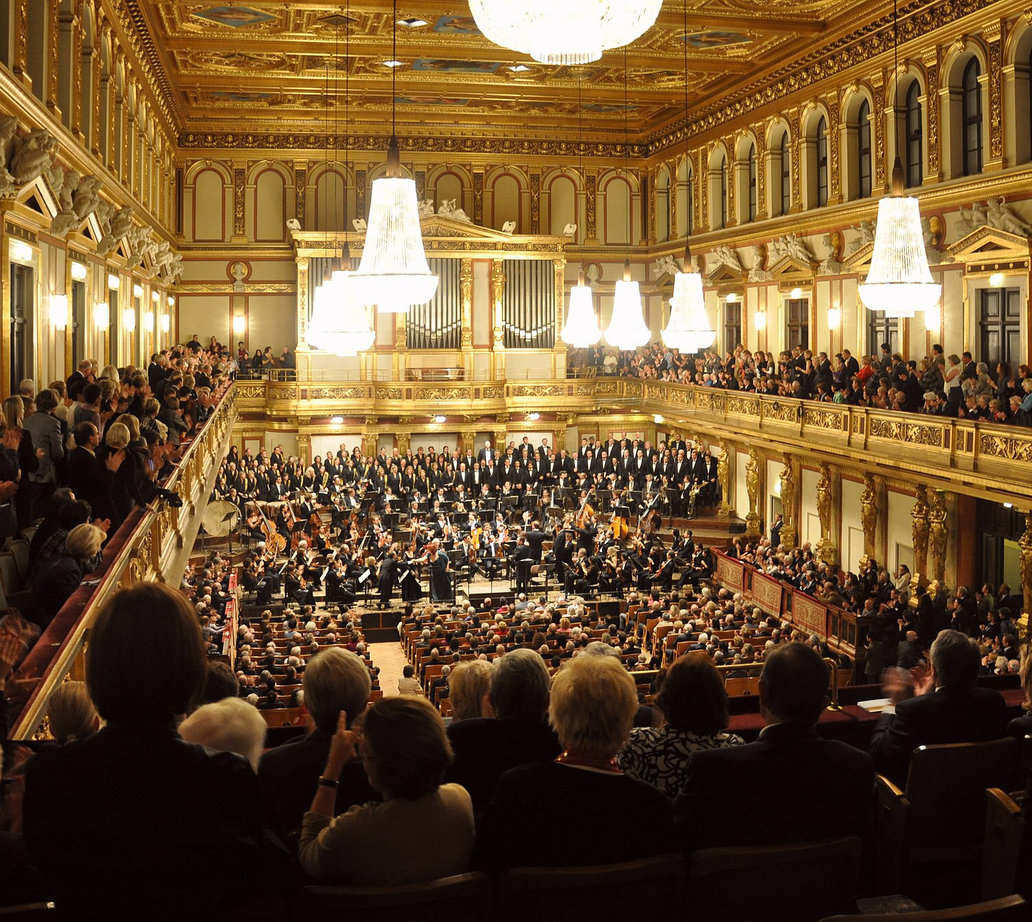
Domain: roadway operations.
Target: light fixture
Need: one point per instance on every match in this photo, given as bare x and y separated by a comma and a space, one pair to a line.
137, 291
393, 63
688, 330
996, 280
518, 68
568, 33
834, 317
59, 311
239, 324
657, 419
796, 293
761, 320
337, 420
732, 298
1008, 505
933, 318
113, 282
899, 281
394, 273
533, 417
148, 321
412, 23
440, 419
129, 319
78, 272
165, 322
155, 296
101, 315
21, 252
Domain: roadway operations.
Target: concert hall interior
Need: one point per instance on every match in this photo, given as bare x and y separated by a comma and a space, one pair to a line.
504, 459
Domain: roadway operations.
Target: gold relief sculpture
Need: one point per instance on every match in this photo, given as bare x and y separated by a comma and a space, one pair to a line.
753, 467
826, 546
788, 482
1013, 448
870, 503
919, 531
783, 412
442, 393
743, 406
468, 440
822, 418
1025, 546
466, 288
938, 534
724, 479
387, 393
881, 427
492, 391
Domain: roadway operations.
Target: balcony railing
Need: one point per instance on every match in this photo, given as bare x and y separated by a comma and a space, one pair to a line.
152, 543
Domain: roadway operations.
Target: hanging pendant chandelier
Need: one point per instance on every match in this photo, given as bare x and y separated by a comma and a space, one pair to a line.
571, 32
688, 329
581, 328
394, 273
339, 323
899, 281
627, 328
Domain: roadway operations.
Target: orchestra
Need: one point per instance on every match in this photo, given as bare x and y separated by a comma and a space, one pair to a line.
357, 525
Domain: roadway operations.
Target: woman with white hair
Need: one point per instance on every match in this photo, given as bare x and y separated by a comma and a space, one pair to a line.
579, 809
60, 576
229, 725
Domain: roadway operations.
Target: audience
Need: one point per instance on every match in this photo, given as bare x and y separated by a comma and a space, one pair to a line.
469, 685
405, 751
71, 712
229, 725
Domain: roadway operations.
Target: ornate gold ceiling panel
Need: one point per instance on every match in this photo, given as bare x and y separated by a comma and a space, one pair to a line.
261, 66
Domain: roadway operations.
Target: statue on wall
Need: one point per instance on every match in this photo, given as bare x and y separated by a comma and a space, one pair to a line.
509, 227
162, 257
174, 271
32, 154
919, 533
87, 197
825, 499
8, 129
830, 264
973, 216
1025, 561
725, 256
865, 236
426, 208
756, 271
569, 230
448, 209
788, 502
938, 534
359, 224
63, 182
293, 224
791, 246
752, 486
665, 265
120, 223
1003, 217
931, 241
869, 510
724, 480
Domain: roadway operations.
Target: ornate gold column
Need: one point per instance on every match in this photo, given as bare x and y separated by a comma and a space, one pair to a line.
52, 49
761, 172
1025, 545
789, 496
993, 35
725, 478
559, 348
753, 482
498, 341
938, 534
590, 214
731, 178
402, 438
239, 210
870, 511
369, 437
468, 440
304, 447
795, 153
919, 530
499, 435
932, 105
835, 191
827, 546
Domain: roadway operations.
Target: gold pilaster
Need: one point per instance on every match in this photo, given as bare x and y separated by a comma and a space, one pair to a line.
1025, 545
870, 512
498, 341
827, 546
753, 481
919, 531
724, 478
938, 535
789, 500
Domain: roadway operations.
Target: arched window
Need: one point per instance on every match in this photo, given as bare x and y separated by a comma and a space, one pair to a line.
785, 186
751, 214
863, 150
971, 118
912, 140
723, 192
822, 162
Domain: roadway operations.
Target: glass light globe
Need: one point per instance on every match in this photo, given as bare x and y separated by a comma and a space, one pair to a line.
581, 328
627, 328
339, 323
688, 329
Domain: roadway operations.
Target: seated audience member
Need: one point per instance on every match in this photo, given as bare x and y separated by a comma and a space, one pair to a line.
133, 816
737, 795
947, 707
220, 682
408, 684
1021, 726
71, 712
515, 733
229, 725
405, 752
57, 578
468, 685
694, 704
335, 680
579, 809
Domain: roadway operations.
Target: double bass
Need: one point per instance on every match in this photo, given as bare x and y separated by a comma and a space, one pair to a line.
275, 543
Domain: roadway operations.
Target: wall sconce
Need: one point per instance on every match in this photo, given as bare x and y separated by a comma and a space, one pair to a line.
129, 319
239, 324
59, 311
165, 322
658, 420
533, 417
113, 282
796, 293
996, 280
337, 420
933, 319
440, 419
834, 318
155, 296
148, 320
137, 291
101, 315
21, 252
761, 320
78, 272
731, 298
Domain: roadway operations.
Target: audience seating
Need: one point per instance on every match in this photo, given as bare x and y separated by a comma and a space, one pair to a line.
801, 882
1008, 909
28, 912
932, 834
590, 894
462, 898
1001, 850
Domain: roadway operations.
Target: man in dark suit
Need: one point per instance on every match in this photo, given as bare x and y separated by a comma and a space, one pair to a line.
486, 453
728, 789
946, 707
82, 460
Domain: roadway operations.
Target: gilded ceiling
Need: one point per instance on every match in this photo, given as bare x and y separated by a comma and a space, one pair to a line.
261, 66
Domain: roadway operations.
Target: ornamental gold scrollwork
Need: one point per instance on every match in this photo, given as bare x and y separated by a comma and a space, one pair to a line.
387, 393
724, 478
826, 549
870, 503
752, 485
938, 534
822, 418
1025, 546
788, 502
919, 532
1012, 448
900, 431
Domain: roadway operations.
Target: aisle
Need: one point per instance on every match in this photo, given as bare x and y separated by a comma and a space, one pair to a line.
391, 660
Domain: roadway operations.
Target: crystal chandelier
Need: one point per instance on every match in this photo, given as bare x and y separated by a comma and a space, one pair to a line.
627, 329
899, 281
581, 328
570, 32
394, 273
339, 324
688, 329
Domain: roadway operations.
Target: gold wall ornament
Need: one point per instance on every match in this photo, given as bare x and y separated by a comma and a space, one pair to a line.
827, 549
932, 111
919, 531
590, 212
239, 186
1025, 546
994, 86
724, 479
938, 534
870, 511
753, 479
466, 288
789, 495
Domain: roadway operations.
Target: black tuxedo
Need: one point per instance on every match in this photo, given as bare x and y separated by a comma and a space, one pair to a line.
965, 715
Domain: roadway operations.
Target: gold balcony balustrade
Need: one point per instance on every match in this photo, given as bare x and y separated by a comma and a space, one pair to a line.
152, 544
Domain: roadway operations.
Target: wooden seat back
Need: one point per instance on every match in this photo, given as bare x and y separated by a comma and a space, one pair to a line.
1008, 909
461, 898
